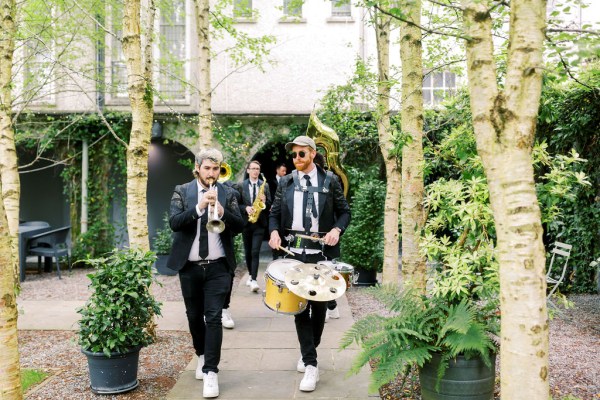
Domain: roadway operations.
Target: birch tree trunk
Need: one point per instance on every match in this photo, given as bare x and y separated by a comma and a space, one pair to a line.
504, 123
205, 91
141, 98
10, 373
11, 186
393, 187
411, 112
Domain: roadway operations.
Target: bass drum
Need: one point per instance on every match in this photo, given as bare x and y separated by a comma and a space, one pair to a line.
277, 296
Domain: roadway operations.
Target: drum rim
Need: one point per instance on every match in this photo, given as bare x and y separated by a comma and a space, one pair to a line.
281, 261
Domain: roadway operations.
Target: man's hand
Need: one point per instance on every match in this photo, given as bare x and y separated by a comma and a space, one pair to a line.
275, 240
332, 238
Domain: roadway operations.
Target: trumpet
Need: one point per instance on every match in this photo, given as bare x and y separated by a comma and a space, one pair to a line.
214, 223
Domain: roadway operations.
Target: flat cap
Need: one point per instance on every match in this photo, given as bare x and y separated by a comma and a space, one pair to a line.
301, 141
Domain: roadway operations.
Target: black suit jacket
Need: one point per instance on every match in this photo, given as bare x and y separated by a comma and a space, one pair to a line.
246, 201
183, 220
334, 210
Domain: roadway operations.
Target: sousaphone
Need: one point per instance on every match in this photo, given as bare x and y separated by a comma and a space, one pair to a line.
326, 138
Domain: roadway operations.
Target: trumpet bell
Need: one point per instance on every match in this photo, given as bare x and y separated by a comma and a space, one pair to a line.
215, 226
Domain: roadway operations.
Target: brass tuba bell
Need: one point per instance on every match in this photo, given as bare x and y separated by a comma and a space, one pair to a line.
225, 173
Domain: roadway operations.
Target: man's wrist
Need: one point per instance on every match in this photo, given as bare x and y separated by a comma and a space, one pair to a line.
338, 229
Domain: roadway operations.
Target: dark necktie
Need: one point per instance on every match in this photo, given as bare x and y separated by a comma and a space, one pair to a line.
203, 248
307, 205
253, 192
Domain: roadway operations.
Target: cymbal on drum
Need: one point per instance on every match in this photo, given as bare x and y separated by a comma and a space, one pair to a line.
315, 282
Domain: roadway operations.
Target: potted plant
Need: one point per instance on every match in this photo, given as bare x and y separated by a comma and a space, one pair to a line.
117, 320
362, 243
163, 240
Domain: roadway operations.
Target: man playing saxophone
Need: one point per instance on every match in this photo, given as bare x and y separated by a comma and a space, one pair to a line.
256, 200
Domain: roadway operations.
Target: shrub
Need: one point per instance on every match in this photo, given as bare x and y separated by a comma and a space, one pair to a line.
119, 314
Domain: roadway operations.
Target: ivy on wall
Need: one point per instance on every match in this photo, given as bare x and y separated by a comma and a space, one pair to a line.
60, 139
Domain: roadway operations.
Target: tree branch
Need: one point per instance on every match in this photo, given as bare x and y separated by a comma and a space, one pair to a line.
588, 31
420, 26
446, 5
566, 66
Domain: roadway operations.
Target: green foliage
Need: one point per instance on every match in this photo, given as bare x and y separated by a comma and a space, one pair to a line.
569, 118
163, 240
31, 377
362, 242
119, 313
418, 327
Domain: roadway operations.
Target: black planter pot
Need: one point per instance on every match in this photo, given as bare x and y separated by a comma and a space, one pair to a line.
464, 379
161, 265
365, 277
114, 374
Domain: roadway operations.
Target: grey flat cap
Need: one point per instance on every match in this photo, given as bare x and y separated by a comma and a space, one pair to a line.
301, 141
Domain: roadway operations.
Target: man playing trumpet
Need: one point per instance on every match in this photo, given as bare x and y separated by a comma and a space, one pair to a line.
204, 216
309, 201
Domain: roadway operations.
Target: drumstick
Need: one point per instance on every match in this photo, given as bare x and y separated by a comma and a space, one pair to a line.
286, 250
314, 239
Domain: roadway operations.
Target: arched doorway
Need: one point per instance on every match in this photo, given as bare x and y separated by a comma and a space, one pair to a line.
164, 172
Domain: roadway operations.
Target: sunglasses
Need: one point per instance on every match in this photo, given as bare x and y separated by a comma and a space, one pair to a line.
302, 154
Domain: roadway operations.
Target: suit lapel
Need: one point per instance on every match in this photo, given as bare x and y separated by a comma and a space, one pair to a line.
246, 196
192, 194
289, 196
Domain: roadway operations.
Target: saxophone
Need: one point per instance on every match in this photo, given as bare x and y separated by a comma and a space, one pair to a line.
258, 205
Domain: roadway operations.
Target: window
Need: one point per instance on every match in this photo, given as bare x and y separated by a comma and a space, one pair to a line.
242, 8
340, 8
292, 8
172, 76
39, 78
437, 86
118, 70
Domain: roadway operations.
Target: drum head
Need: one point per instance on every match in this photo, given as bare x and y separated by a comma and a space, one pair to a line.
315, 282
337, 265
277, 268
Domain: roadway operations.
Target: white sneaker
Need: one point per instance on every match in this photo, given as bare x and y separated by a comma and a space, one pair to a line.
311, 377
226, 319
211, 385
254, 286
248, 281
300, 367
333, 314
199, 373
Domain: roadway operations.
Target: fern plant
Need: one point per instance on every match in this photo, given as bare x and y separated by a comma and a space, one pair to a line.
418, 327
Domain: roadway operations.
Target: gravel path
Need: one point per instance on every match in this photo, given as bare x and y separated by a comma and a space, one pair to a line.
574, 344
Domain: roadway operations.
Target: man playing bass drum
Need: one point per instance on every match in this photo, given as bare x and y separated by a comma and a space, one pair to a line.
308, 201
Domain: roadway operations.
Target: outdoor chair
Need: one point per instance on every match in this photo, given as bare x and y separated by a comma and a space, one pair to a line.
555, 276
51, 244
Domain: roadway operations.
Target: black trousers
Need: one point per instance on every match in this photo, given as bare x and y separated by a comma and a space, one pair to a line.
228, 297
311, 322
204, 289
252, 236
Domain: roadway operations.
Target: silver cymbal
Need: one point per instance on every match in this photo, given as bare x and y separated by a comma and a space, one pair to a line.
315, 282
338, 265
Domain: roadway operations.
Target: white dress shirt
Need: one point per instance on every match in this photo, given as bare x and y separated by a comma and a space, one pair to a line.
215, 247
